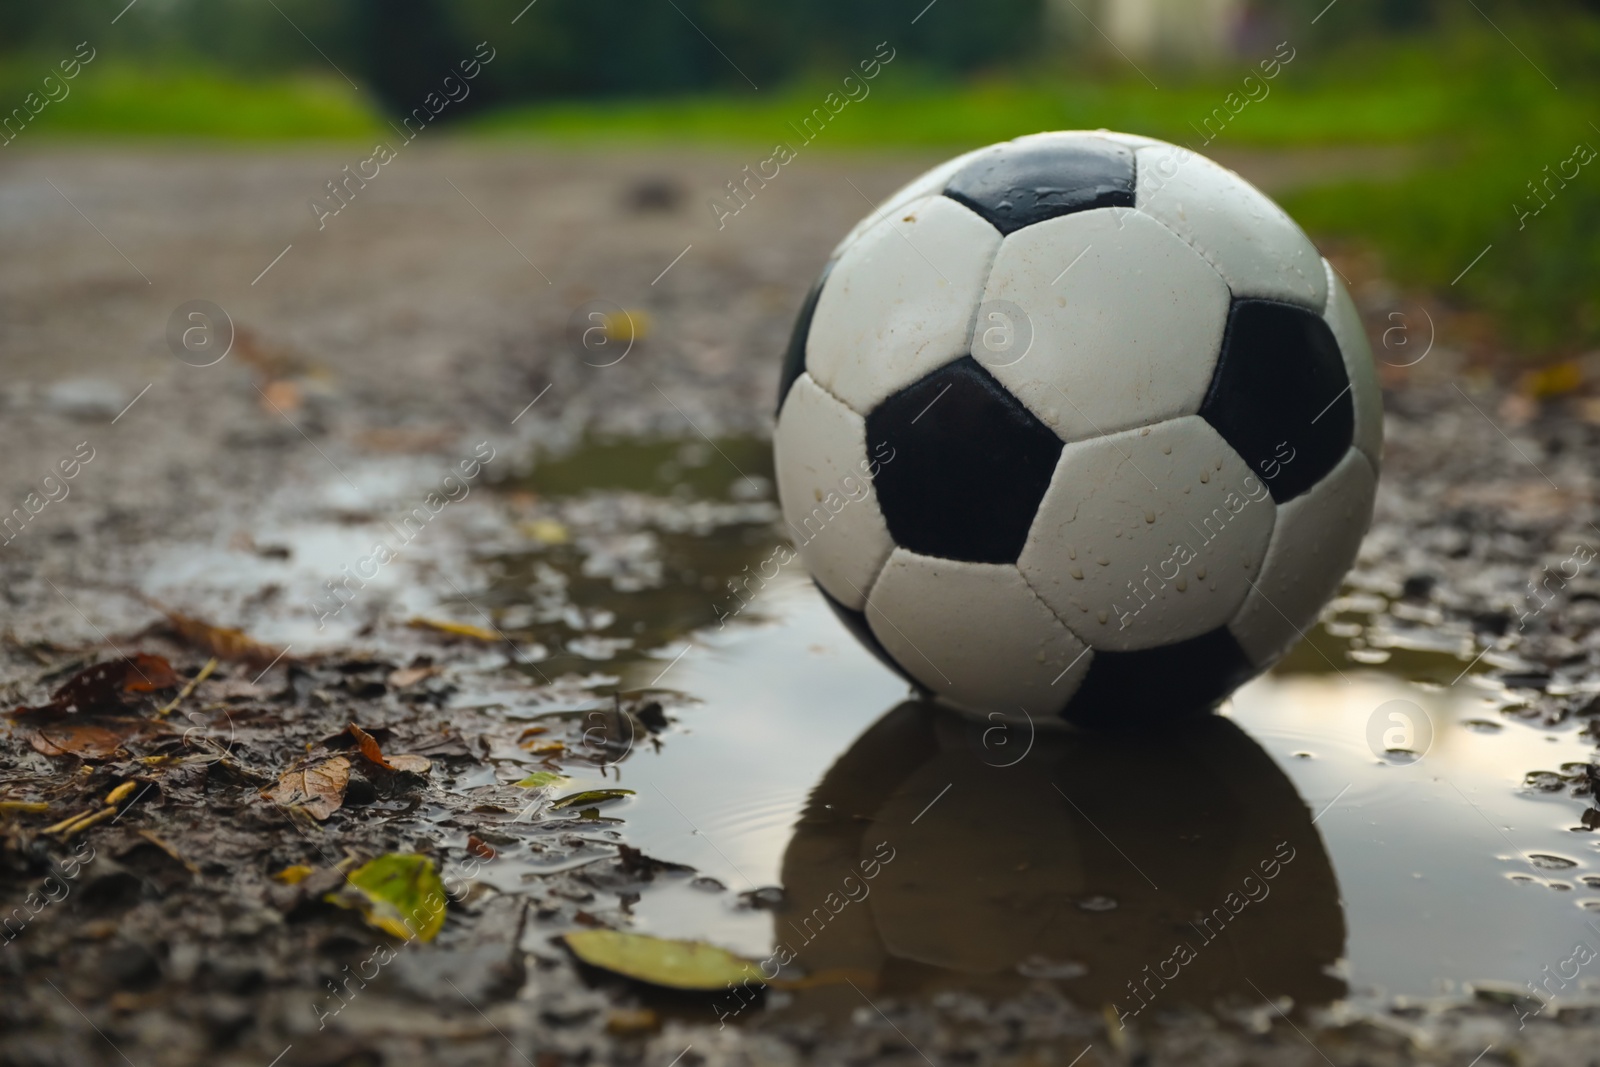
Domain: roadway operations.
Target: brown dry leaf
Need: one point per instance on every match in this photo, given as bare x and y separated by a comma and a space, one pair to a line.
281, 397
479, 847
1558, 379
546, 748
105, 686
454, 629
406, 438
269, 360
406, 677
368, 746
532, 731
622, 1021
222, 642
168, 848
86, 740
319, 788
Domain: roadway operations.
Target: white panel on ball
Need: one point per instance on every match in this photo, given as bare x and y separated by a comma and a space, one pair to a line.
899, 303
929, 183
1129, 140
825, 489
1314, 543
1076, 137
1150, 536
975, 634
1348, 330
1121, 322
1249, 239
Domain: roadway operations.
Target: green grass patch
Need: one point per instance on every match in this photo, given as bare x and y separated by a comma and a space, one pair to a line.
917, 114
111, 100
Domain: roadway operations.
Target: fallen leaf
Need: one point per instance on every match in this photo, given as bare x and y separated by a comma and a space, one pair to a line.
368, 746
629, 324
1558, 379
86, 740
539, 779
120, 793
546, 748
532, 731
480, 848
454, 629
319, 788
105, 687
406, 438
632, 1021
222, 642
546, 531
399, 893
281, 397
167, 847
660, 961
23, 807
592, 796
406, 677
293, 875
147, 673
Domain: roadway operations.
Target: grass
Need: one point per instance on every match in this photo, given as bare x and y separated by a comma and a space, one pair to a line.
108, 99
919, 114
1481, 112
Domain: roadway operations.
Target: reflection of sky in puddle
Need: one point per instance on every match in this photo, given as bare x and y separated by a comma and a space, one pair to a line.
1432, 859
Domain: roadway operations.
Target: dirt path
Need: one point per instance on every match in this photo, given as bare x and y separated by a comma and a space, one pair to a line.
431, 318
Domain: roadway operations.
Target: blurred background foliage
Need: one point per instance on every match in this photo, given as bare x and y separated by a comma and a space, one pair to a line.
1480, 95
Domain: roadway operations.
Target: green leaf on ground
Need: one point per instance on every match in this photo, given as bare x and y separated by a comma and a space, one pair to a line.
591, 796
399, 893
659, 961
539, 779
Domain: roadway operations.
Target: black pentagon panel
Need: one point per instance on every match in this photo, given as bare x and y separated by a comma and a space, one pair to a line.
1021, 184
1156, 685
856, 623
1280, 395
794, 360
968, 465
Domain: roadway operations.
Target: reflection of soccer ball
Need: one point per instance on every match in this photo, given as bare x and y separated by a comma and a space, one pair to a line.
1080, 423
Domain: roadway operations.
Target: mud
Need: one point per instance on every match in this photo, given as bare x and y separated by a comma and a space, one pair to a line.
437, 322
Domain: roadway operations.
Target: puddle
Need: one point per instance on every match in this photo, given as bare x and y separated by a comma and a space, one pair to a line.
1378, 821
685, 470
1294, 845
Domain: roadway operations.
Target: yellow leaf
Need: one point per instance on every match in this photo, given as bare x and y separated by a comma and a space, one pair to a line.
1558, 379
546, 531
455, 629
631, 324
293, 875
399, 893
659, 961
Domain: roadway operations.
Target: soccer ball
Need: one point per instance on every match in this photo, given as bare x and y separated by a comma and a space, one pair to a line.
1079, 424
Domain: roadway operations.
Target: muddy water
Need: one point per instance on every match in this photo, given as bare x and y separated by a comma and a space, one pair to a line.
1373, 822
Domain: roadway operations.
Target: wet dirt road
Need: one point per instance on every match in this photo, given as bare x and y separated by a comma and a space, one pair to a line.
583, 507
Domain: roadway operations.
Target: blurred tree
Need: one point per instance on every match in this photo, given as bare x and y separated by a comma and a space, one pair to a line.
402, 49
